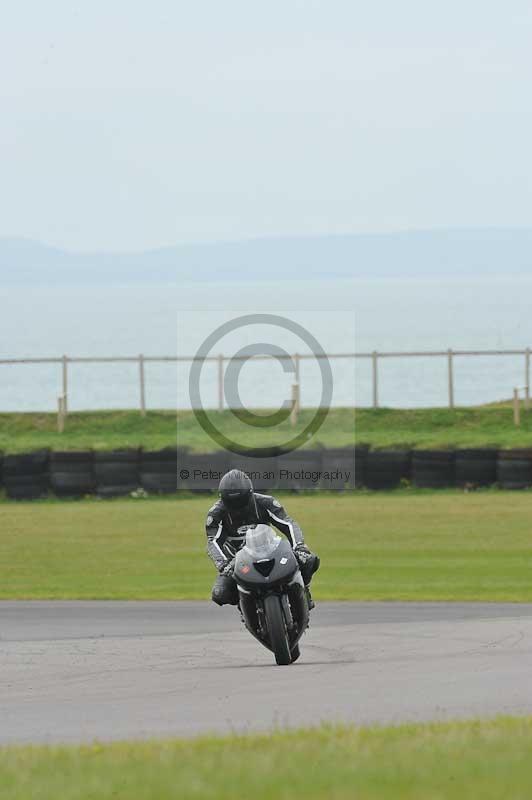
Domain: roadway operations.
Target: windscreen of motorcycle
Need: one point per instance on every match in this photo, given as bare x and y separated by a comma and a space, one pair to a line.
261, 541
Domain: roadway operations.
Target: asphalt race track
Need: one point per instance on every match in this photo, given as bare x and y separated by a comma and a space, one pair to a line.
77, 671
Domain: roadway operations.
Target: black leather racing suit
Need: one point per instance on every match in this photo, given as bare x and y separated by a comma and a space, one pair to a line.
224, 539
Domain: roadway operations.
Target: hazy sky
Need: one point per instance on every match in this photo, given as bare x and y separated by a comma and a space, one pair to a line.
129, 124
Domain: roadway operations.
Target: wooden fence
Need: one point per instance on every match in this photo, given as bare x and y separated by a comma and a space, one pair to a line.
377, 359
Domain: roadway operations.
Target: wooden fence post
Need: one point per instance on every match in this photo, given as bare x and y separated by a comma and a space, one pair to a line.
65, 385
517, 410
295, 404
450, 377
375, 376
61, 413
527, 378
142, 386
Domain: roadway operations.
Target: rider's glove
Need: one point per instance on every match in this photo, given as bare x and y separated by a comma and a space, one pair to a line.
228, 568
302, 553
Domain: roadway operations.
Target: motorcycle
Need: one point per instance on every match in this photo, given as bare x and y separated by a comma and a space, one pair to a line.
272, 597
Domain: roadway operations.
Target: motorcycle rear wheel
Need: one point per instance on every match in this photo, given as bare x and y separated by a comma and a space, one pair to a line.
277, 630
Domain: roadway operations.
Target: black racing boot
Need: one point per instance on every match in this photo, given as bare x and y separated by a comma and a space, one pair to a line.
311, 603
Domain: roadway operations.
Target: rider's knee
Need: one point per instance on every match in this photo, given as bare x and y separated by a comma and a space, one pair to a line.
309, 568
217, 596
224, 592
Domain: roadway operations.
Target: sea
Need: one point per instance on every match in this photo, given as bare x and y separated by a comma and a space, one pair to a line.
305, 317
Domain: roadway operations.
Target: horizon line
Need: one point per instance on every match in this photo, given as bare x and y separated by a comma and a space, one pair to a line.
269, 238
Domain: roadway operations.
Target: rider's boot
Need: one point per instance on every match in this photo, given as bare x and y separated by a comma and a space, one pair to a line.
311, 603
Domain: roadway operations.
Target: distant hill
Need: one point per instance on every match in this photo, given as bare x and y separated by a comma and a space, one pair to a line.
415, 253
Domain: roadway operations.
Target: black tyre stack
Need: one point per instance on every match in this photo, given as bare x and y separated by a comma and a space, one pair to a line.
25, 476
433, 469
343, 468
361, 462
201, 473
72, 473
385, 469
159, 471
299, 470
117, 472
477, 467
514, 469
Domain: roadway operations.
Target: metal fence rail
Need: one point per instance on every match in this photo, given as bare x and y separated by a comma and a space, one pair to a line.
376, 356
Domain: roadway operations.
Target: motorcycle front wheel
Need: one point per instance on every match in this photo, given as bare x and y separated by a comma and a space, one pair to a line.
277, 630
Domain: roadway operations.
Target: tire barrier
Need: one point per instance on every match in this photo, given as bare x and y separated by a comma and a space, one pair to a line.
343, 468
476, 467
385, 469
433, 469
25, 476
71, 474
116, 472
201, 473
299, 470
29, 476
361, 457
158, 470
514, 469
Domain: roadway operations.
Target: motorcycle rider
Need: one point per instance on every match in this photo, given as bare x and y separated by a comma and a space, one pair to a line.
240, 506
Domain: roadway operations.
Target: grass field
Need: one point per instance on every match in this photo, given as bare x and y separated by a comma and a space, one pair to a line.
489, 760
403, 545
461, 427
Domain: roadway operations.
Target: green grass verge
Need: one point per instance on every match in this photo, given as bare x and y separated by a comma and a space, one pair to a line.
489, 760
374, 546
461, 427
103, 430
